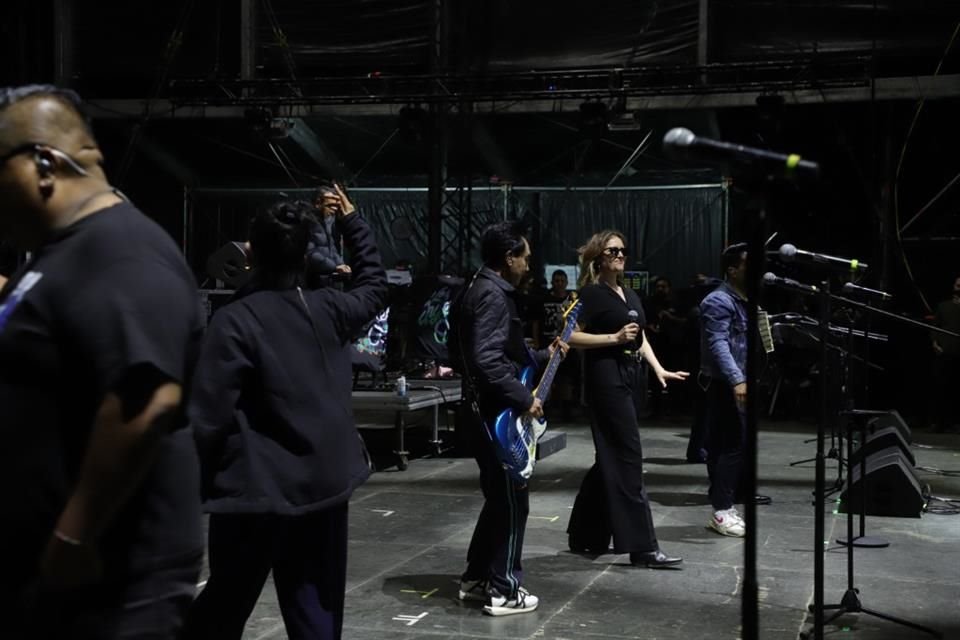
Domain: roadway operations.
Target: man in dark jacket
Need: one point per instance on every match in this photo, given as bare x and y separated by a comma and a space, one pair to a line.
273, 420
487, 345
324, 262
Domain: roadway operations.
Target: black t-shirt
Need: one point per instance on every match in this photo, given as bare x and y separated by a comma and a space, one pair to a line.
602, 311
106, 298
433, 320
551, 319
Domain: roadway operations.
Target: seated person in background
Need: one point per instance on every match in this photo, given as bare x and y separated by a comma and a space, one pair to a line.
553, 304
324, 260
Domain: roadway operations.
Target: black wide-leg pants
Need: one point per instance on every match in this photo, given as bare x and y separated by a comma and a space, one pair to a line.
612, 500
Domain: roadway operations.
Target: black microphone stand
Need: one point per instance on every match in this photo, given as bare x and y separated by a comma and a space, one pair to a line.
861, 417
755, 268
821, 472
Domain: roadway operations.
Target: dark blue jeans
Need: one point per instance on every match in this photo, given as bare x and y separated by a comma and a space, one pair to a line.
308, 556
726, 430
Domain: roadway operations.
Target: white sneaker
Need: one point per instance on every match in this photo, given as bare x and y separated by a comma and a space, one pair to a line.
498, 605
473, 590
728, 523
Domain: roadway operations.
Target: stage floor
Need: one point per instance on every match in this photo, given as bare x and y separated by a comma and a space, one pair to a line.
409, 532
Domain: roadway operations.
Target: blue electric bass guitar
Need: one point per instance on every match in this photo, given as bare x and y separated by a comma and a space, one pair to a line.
516, 434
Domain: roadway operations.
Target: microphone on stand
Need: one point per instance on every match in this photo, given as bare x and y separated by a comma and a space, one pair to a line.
772, 279
850, 288
682, 144
789, 253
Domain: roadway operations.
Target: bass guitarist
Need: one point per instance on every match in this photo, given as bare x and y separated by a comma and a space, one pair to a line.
487, 345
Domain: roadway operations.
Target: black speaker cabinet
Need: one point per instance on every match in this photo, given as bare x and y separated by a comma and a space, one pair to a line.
891, 419
880, 439
892, 487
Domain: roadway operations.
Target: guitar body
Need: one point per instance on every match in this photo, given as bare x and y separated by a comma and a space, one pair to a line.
515, 434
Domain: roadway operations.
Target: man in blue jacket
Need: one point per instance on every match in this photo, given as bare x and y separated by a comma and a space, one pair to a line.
723, 358
487, 345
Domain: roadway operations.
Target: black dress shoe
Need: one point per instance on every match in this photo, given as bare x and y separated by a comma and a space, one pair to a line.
759, 499
581, 548
654, 560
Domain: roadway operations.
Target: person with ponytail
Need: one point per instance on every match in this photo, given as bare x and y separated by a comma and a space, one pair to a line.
273, 422
612, 500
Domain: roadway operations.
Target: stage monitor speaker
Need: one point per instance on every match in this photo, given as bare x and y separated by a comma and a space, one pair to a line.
891, 419
892, 487
880, 439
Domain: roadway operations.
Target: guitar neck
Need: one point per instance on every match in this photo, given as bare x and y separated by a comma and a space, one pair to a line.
546, 380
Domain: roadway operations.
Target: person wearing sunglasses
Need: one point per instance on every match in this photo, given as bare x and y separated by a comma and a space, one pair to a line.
98, 475
612, 501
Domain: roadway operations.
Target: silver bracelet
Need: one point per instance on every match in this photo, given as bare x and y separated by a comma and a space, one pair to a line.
59, 535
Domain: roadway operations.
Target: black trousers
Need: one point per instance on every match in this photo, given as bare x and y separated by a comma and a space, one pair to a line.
308, 556
612, 500
726, 431
497, 542
697, 443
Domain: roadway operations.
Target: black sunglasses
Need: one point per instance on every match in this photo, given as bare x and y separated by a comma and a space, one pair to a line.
616, 251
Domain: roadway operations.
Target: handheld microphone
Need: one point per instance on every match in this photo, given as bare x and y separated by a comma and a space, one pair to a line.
851, 288
788, 253
634, 317
682, 144
772, 279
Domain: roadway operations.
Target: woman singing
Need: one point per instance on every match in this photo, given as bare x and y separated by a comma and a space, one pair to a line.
612, 499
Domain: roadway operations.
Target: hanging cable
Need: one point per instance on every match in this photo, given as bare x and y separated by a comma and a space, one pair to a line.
286, 169
376, 153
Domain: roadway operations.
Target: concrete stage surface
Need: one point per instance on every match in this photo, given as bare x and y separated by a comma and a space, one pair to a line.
409, 533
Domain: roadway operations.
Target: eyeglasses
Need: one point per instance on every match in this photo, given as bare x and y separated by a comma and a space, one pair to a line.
34, 147
29, 147
613, 252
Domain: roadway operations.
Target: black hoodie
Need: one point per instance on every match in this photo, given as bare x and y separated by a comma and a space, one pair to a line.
271, 401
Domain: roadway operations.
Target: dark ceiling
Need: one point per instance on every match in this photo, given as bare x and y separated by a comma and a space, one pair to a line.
356, 89
338, 74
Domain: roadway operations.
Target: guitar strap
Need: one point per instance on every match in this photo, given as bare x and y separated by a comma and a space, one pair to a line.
474, 395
